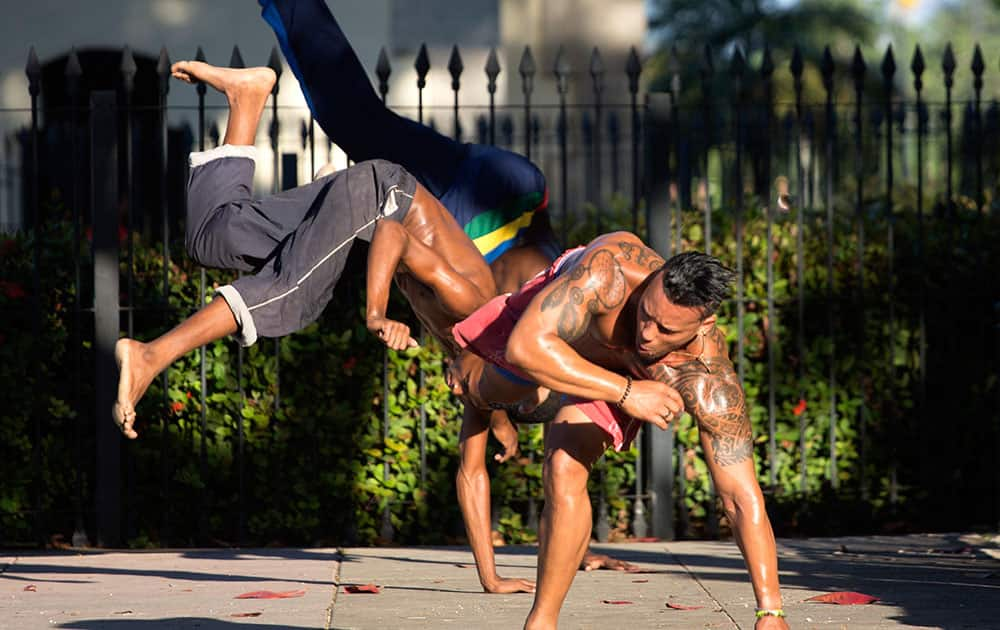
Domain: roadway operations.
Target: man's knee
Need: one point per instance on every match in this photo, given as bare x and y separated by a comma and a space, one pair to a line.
565, 477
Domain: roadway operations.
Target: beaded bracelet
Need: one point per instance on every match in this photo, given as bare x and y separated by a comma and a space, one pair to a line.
628, 390
769, 612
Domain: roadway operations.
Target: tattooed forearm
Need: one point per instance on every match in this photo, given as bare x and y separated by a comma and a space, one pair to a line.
594, 286
716, 401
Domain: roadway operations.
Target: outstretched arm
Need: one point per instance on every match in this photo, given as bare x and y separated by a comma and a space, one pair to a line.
562, 313
394, 248
716, 401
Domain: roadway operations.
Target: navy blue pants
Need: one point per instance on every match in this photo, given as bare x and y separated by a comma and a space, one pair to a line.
497, 196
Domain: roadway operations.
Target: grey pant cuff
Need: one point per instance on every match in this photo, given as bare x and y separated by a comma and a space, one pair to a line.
247, 331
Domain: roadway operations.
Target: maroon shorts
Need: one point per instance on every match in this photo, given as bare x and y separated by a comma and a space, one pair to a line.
487, 330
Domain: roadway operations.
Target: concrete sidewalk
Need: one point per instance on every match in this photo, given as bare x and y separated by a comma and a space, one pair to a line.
923, 581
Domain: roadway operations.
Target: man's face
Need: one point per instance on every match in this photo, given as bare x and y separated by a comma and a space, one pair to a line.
662, 326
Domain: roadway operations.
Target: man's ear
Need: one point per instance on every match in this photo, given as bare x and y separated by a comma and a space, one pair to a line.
706, 324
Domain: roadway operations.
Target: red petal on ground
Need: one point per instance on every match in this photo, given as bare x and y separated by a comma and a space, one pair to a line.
843, 598
616, 601
682, 606
646, 539
362, 588
31, 587
250, 614
271, 594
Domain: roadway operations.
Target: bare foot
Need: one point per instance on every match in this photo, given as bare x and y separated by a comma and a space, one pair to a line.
240, 85
134, 377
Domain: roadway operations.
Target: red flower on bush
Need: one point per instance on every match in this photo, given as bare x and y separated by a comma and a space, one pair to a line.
800, 408
177, 406
12, 290
350, 363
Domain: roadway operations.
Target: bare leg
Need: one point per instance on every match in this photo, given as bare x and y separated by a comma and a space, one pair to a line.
139, 363
246, 89
572, 444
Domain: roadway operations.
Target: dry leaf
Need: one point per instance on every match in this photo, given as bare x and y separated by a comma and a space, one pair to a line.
363, 588
31, 587
249, 614
843, 598
270, 594
616, 601
639, 581
682, 606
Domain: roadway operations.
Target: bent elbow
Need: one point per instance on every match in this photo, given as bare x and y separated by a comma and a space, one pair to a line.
517, 354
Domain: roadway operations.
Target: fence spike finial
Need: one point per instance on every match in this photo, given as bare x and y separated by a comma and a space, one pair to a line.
527, 70
274, 63
128, 69
707, 65
767, 63
917, 66
977, 68
561, 69
34, 71
422, 65
382, 71
738, 65
948, 65
827, 67
73, 71
236, 59
797, 65
492, 70
633, 68
455, 67
888, 66
304, 133
163, 70
858, 69
674, 69
199, 85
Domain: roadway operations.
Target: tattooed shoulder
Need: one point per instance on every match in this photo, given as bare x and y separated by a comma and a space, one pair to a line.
595, 285
641, 255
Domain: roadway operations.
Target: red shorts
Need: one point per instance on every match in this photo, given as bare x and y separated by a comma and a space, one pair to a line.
487, 330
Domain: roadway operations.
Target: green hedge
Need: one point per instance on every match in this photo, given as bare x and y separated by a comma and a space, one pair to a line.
314, 466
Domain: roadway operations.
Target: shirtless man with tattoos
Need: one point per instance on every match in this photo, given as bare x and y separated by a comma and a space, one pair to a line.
612, 326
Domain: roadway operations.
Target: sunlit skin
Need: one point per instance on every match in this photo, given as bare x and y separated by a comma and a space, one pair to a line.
606, 316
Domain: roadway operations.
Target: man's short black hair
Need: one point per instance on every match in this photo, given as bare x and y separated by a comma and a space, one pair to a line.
697, 279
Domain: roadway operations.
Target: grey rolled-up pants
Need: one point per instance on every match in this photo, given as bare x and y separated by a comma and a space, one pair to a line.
294, 243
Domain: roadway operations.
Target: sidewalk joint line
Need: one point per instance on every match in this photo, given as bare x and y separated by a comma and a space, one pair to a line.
336, 588
703, 587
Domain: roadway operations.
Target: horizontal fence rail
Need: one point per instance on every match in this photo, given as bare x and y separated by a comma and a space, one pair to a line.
859, 215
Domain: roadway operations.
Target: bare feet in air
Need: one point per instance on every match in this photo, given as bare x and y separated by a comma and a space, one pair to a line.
505, 432
248, 87
135, 373
593, 561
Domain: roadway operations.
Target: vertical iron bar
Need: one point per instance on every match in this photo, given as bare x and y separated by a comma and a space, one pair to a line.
796, 67
827, 70
34, 72
917, 67
527, 71
597, 77
682, 525
766, 71
128, 82
737, 69
948, 66
274, 63
706, 86
73, 75
561, 71
858, 70
977, 84
633, 67
888, 72
492, 70
236, 61
455, 68
422, 67
104, 186
164, 71
675, 130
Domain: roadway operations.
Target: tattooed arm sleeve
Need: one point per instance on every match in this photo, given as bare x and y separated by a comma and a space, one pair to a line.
541, 343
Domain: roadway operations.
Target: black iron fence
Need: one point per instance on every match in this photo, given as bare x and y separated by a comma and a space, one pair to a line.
864, 325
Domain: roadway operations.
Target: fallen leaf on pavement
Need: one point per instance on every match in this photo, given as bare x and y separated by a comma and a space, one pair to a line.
362, 588
639, 581
616, 601
843, 598
682, 606
31, 587
249, 614
271, 594
123, 612
462, 566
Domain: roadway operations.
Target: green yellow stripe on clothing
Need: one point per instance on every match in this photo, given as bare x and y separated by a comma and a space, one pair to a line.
488, 242
493, 220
